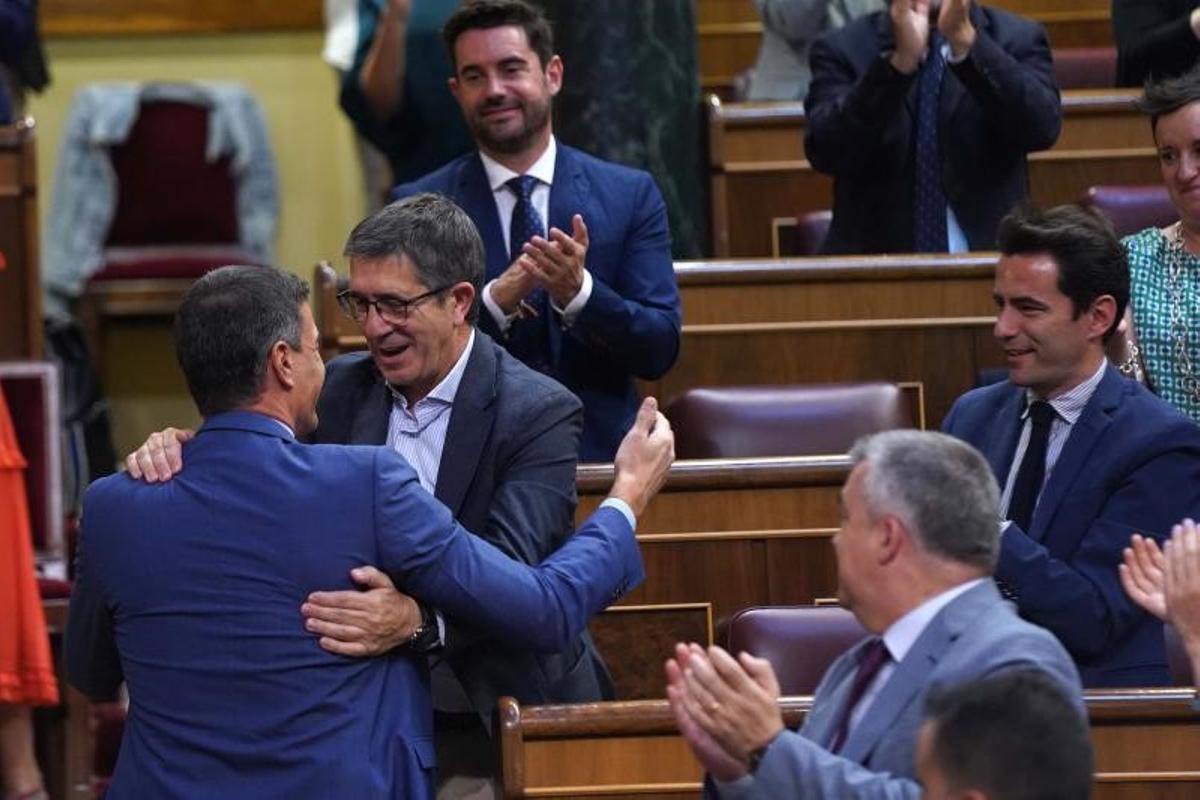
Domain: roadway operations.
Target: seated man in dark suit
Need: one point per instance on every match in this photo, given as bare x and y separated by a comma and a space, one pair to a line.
1086, 457
923, 115
493, 440
1008, 736
915, 552
189, 590
580, 280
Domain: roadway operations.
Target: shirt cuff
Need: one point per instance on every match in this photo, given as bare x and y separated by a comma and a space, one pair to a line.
950, 59
571, 312
441, 626
503, 321
623, 507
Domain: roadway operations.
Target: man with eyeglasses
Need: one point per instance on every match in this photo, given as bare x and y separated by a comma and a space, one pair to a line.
492, 439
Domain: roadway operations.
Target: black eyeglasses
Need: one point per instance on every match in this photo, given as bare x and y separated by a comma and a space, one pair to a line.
391, 309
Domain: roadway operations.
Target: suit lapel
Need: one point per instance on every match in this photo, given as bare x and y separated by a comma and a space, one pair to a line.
911, 675
470, 422
370, 425
568, 196
1001, 441
821, 720
953, 90
475, 196
1085, 434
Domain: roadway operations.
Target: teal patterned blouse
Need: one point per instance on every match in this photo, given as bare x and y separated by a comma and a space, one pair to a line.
1151, 298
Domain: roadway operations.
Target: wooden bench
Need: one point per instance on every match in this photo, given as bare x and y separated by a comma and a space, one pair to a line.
734, 532
761, 178
1145, 744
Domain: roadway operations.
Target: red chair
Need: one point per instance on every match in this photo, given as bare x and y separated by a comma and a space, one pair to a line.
786, 420
1132, 208
799, 641
176, 218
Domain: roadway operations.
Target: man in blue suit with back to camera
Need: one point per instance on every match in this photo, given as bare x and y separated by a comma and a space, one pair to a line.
189, 590
580, 280
1085, 456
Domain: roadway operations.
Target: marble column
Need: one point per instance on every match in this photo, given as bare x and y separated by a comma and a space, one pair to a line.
631, 94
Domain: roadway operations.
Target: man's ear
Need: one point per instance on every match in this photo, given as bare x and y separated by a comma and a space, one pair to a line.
280, 364
463, 295
892, 537
554, 74
1101, 315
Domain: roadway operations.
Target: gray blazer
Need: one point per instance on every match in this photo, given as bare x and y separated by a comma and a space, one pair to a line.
976, 634
789, 29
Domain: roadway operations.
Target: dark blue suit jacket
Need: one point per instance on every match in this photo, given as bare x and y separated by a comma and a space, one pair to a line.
190, 591
508, 475
1131, 464
630, 325
1000, 103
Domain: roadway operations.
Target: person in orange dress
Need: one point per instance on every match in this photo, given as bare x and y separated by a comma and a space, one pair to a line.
26, 668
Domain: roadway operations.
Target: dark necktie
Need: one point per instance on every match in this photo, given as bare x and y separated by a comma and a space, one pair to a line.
929, 198
528, 339
870, 660
1028, 484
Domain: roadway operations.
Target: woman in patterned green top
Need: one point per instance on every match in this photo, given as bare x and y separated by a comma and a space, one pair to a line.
1164, 263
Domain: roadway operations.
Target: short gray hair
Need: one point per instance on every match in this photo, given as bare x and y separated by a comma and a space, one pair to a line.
940, 487
434, 233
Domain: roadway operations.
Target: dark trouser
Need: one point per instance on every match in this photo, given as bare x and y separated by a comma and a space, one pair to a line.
466, 757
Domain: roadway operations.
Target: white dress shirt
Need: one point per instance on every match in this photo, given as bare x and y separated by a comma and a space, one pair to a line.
498, 177
1067, 408
899, 638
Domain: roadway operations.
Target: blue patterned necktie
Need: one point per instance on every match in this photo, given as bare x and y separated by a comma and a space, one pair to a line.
929, 199
528, 339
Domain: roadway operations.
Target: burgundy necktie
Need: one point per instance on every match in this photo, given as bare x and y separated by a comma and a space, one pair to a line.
870, 660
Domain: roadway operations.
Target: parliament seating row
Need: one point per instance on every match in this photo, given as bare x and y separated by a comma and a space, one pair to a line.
919, 321
761, 180
729, 31
1145, 743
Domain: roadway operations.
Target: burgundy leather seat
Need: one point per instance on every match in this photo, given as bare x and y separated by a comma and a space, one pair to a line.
1132, 208
811, 229
785, 420
799, 641
1085, 67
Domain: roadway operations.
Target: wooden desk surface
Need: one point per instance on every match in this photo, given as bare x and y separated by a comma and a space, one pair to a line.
1145, 744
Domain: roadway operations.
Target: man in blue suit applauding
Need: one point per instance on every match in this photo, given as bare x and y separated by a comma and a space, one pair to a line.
580, 280
189, 590
1085, 457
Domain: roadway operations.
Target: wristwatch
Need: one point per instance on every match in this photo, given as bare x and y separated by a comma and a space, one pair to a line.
426, 637
755, 758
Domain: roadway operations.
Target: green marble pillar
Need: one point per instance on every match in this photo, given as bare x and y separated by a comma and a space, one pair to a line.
631, 94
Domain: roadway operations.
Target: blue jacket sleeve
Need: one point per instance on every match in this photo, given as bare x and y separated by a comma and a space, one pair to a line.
93, 664
635, 322
544, 607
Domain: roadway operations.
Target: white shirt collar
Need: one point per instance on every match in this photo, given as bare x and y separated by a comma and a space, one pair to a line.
447, 387
542, 169
902, 634
1069, 405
